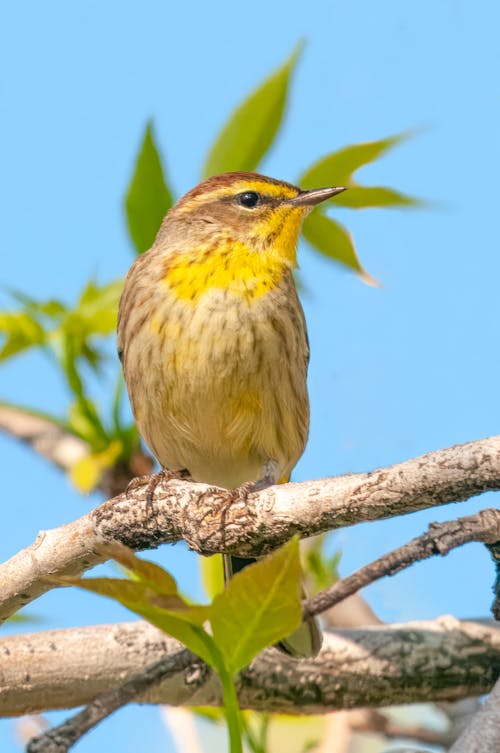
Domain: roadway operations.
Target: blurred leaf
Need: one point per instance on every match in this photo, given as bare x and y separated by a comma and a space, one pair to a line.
332, 240
20, 330
298, 734
96, 311
148, 197
63, 332
148, 573
260, 605
320, 568
52, 308
336, 168
364, 197
87, 472
252, 128
118, 395
210, 713
168, 612
25, 618
212, 574
84, 422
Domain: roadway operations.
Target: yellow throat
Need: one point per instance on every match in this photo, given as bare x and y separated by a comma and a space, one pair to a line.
238, 234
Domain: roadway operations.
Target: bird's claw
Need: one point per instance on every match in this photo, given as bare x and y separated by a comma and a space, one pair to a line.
152, 482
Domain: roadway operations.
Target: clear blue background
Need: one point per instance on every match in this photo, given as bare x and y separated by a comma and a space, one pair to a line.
395, 372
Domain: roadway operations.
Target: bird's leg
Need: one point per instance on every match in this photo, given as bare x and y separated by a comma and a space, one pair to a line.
270, 476
240, 494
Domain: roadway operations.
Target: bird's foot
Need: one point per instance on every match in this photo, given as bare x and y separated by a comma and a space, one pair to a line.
241, 493
152, 482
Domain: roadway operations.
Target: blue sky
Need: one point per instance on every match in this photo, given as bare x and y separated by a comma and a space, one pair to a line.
395, 372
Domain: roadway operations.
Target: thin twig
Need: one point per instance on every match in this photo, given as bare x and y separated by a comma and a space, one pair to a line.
61, 738
441, 538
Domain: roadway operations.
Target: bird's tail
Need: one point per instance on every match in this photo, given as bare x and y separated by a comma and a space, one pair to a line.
306, 641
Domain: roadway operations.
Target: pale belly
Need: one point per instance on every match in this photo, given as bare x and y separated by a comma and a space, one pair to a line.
220, 389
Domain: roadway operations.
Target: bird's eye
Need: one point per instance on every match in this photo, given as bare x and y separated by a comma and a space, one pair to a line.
248, 199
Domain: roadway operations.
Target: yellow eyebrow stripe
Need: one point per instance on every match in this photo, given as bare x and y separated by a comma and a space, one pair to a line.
261, 186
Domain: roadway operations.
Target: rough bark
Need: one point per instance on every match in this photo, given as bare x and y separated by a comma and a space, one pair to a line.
202, 516
441, 660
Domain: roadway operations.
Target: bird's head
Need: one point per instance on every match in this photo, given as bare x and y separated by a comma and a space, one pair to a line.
263, 214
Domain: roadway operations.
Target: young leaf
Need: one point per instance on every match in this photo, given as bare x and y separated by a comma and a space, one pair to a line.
87, 472
84, 422
259, 606
253, 126
332, 240
149, 573
51, 308
148, 197
320, 568
212, 574
96, 311
21, 331
336, 168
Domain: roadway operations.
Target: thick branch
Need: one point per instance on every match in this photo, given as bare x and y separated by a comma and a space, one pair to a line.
59, 739
441, 660
202, 517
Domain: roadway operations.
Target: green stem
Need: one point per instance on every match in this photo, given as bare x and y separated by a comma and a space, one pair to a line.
232, 710
231, 706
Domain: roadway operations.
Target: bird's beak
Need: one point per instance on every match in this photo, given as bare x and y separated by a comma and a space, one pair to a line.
315, 196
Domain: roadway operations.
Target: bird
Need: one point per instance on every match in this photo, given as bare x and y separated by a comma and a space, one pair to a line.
213, 341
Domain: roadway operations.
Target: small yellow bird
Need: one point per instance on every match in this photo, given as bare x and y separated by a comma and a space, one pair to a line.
213, 340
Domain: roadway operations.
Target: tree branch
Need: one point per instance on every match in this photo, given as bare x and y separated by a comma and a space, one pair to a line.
61, 738
441, 660
63, 449
202, 517
483, 732
50, 441
440, 539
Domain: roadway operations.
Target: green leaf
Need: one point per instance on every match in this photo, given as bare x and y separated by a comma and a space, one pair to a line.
25, 618
52, 308
96, 311
148, 198
212, 574
332, 240
321, 568
84, 422
259, 606
336, 168
252, 128
364, 197
168, 612
88, 471
21, 331
146, 572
